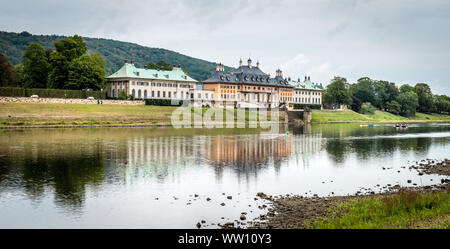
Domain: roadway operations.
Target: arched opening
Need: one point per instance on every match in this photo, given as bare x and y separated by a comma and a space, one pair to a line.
145, 94
113, 93
139, 94
133, 93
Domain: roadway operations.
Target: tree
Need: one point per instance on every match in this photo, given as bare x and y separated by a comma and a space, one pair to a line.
406, 88
356, 104
338, 92
442, 103
425, 96
7, 75
67, 50
364, 90
87, 71
20, 79
160, 65
368, 108
36, 67
393, 107
409, 102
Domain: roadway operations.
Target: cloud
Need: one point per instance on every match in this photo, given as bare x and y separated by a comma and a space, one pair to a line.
391, 40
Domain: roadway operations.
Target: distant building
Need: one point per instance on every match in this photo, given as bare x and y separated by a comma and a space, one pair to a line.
248, 87
307, 92
141, 83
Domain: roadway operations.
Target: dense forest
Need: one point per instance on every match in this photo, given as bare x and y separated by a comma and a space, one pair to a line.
13, 45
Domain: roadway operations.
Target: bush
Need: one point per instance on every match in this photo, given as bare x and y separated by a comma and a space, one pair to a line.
162, 102
122, 96
50, 93
304, 106
368, 108
393, 107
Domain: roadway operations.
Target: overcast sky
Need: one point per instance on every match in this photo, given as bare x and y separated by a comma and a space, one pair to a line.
399, 41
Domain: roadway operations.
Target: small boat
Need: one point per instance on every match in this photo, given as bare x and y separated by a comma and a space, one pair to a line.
404, 125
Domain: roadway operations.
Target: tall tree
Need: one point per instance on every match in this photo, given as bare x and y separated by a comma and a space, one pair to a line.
425, 96
7, 75
338, 92
406, 88
364, 90
67, 50
409, 102
36, 67
87, 71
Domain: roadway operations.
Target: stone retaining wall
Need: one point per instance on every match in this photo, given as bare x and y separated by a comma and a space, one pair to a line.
68, 101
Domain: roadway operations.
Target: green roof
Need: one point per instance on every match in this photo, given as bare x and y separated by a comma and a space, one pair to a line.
130, 71
306, 85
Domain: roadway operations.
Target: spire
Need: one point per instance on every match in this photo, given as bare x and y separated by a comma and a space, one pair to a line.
249, 63
257, 63
240, 62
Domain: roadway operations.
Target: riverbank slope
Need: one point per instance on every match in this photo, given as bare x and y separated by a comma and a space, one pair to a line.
349, 116
80, 115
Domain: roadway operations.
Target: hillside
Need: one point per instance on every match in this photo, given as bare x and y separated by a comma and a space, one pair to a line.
13, 45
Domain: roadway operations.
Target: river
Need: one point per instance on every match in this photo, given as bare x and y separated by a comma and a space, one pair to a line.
163, 177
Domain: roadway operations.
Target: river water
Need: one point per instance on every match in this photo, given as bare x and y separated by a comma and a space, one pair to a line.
162, 177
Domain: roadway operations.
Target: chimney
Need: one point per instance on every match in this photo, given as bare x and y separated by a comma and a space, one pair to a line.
298, 79
126, 61
306, 78
249, 63
289, 78
309, 78
222, 67
240, 62
257, 64
218, 67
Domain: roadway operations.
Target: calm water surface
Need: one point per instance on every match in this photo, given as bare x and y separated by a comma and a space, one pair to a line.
147, 177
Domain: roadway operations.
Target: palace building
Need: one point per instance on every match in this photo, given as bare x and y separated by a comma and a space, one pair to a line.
246, 87
141, 83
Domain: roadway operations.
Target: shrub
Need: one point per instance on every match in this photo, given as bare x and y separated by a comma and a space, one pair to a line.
393, 107
50, 93
162, 102
368, 108
304, 106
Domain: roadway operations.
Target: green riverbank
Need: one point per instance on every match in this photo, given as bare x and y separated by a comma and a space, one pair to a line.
349, 116
81, 115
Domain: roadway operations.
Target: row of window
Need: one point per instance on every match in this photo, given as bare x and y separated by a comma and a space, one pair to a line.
307, 92
307, 100
139, 83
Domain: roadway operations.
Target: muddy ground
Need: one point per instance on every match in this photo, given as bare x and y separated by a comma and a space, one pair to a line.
292, 211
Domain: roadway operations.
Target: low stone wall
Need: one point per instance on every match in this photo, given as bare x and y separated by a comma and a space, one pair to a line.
69, 101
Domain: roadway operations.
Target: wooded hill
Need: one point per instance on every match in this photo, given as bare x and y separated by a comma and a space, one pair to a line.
13, 45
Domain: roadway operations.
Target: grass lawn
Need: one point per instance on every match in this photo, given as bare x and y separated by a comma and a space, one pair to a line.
403, 210
39, 114
349, 116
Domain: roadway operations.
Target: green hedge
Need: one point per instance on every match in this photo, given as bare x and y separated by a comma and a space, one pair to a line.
303, 106
162, 102
50, 93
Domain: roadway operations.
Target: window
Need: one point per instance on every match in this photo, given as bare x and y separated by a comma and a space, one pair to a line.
159, 95
169, 94
153, 94
164, 94
192, 95
199, 95
174, 94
